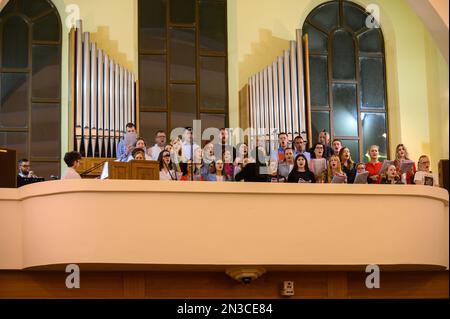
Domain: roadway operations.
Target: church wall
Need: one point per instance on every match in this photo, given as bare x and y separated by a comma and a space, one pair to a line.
259, 30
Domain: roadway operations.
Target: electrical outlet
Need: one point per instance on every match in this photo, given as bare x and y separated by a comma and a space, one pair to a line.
288, 288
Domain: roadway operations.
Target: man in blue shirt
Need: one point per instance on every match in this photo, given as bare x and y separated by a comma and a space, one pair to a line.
278, 154
300, 148
123, 151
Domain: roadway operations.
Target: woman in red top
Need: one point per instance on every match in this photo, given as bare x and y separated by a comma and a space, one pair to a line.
374, 165
401, 154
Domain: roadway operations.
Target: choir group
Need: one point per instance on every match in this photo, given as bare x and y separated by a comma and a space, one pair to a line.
183, 160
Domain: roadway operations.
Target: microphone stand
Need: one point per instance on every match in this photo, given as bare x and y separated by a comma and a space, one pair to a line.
257, 163
168, 170
278, 173
192, 158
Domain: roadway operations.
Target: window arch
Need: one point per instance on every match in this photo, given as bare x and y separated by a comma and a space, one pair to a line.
30, 83
347, 74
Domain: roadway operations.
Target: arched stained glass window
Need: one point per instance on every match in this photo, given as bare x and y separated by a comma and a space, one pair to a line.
347, 75
30, 83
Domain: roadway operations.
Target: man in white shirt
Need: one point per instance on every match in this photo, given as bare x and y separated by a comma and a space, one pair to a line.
189, 147
72, 159
160, 140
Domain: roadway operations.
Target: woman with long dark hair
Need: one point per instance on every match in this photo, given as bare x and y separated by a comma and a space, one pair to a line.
301, 173
318, 163
348, 166
166, 170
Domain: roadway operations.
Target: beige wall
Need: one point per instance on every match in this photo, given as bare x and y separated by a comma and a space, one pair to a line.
112, 24
219, 225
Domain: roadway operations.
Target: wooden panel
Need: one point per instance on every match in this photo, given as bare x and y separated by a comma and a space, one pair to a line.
337, 285
8, 168
50, 284
146, 170
134, 285
164, 284
444, 174
119, 170
414, 284
219, 285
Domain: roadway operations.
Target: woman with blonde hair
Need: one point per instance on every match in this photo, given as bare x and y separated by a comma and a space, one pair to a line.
334, 169
374, 165
424, 176
401, 154
391, 176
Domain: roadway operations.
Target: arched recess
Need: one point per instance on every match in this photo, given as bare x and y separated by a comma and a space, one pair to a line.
30, 83
348, 77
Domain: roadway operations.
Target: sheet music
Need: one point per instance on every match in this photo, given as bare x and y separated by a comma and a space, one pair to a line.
130, 139
319, 166
405, 166
338, 179
386, 164
105, 171
361, 178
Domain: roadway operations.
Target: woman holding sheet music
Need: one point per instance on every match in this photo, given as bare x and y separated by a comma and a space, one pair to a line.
348, 166
404, 165
334, 171
318, 163
362, 176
